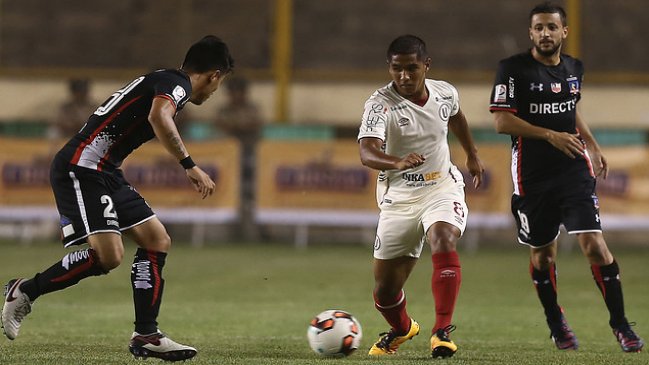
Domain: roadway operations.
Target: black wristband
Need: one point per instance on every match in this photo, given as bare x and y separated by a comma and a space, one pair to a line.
187, 163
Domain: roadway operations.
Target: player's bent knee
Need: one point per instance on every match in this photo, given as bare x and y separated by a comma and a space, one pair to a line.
385, 293
110, 257
162, 243
109, 262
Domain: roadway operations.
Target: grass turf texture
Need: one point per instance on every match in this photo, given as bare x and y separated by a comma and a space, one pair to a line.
252, 305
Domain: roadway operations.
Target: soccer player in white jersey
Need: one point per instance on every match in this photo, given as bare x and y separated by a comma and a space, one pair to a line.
419, 191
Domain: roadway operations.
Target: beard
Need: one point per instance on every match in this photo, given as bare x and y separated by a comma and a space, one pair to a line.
547, 52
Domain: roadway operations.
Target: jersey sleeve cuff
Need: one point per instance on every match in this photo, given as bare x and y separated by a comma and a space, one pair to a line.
165, 96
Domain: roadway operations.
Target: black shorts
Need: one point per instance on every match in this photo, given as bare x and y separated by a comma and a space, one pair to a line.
539, 215
91, 201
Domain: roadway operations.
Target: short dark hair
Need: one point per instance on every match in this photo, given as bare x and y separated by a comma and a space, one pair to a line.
208, 54
549, 8
407, 44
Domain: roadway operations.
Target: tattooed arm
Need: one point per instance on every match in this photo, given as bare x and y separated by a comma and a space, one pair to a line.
161, 119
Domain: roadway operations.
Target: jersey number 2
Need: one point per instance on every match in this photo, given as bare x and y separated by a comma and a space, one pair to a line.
109, 211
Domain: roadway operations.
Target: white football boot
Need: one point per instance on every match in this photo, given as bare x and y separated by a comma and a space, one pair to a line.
158, 345
16, 306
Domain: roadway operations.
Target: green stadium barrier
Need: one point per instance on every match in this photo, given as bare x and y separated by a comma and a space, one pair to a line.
298, 132
620, 137
24, 128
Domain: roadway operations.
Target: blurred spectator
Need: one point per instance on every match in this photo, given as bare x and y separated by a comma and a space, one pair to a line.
74, 112
239, 118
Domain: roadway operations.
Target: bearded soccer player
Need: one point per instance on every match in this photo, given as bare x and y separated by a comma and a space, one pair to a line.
96, 204
555, 163
419, 191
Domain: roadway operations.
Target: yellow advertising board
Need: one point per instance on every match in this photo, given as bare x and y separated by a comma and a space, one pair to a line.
313, 175
626, 189
494, 196
24, 165
624, 192
329, 175
308, 175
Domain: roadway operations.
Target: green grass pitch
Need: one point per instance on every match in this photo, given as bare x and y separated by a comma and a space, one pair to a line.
251, 304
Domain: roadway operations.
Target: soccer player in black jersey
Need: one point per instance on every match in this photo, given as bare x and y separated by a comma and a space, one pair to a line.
96, 204
555, 162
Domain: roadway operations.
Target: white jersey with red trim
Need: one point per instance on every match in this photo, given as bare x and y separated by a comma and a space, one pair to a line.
405, 127
120, 124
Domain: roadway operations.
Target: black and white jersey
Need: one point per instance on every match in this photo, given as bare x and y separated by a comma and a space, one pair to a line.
120, 124
544, 96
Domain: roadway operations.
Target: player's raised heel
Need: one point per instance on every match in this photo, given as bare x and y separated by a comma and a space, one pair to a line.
440, 343
390, 342
17, 306
159, 346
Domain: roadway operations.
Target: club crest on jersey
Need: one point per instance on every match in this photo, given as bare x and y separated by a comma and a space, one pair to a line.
178, 93
556, 87
595, 201
445, 111
573, 85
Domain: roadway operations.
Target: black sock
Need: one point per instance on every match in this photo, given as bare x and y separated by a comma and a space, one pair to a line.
67, 272
607, 278
146, 278
545, 283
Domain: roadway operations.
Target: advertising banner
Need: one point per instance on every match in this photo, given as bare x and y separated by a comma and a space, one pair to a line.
313, 175
25, 163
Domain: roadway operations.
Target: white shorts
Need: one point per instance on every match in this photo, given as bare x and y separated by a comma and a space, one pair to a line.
402, 226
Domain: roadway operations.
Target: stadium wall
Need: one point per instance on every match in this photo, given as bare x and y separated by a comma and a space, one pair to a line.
331, 103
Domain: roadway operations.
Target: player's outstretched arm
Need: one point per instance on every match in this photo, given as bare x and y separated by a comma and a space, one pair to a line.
161, 119
508, 123
373, 157
600, 165
460, 128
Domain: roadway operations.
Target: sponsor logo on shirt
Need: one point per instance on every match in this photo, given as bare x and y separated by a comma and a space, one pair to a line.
178, 93
428, 176
500, 93
398, 107
375, 115
536, 87
403, 122
553, 108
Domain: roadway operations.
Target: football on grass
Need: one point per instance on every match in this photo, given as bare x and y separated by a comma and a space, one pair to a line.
334, 333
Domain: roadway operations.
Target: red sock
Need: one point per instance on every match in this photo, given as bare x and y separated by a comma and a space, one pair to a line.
395, 313
447, 276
